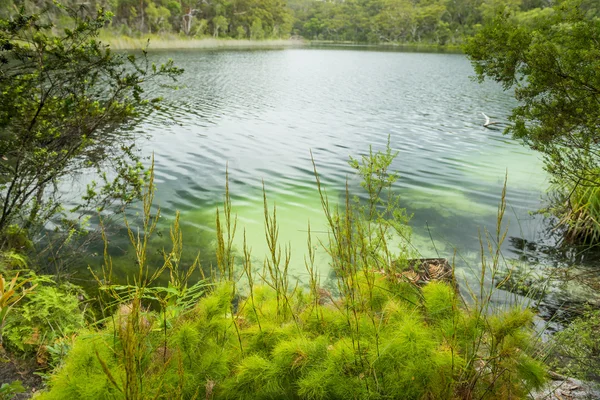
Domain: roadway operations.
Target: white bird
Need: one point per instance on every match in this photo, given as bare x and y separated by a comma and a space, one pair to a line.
488, 122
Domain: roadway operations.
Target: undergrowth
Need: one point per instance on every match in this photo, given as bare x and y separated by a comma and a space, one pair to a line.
38, 316
577, 348
577, 205
379, 332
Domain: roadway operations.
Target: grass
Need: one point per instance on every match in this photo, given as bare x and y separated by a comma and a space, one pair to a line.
421, 47
174, 41
170, 41
577, 205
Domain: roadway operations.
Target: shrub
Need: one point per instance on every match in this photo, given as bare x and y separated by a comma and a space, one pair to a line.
412, 354
577, 348
577, 205
44, 318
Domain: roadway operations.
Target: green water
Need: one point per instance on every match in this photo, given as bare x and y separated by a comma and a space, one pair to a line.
261, 113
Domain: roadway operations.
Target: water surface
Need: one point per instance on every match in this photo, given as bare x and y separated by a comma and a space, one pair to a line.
261, 113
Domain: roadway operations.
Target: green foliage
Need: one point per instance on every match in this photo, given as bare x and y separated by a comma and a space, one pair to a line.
84, 376
241, 32
411, 354
158, 18
17, 239
388, 21
578, 205
188, 17
219, 23
64, 98
439, 300
552, 60
255, 377
577, 348
11, 293
379, 337
256, 30
8, 391
433, 22
45, 317
10, 260
380, 212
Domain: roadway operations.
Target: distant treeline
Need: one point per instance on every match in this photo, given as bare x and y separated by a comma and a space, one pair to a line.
371, 21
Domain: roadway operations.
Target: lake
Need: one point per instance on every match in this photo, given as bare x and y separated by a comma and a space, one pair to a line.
261, 113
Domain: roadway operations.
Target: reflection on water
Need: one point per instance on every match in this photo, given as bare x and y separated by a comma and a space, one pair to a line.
261, 113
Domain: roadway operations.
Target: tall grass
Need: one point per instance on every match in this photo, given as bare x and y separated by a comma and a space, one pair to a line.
122, 42
380, 333
578, 206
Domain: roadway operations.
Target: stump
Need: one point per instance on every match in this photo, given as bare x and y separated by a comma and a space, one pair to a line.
420, 271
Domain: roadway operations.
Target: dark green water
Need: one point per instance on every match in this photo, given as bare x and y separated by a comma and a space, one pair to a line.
262, 112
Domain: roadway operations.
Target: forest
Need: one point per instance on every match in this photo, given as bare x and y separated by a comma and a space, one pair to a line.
437, 22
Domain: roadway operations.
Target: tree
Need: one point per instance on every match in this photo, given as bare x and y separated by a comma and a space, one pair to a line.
66, 106
490, 8
241, 32
219, 22
552, 60
158, 18
256, 30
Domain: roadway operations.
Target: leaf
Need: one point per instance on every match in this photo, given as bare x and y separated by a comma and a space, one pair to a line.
107, 372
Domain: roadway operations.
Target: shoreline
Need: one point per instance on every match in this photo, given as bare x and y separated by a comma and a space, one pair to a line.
416, 47
179, 43
176, 43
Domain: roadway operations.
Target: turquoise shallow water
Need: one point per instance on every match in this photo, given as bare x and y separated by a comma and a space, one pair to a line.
261, 113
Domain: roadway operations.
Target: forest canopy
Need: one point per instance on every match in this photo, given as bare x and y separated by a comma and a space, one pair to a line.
369, 21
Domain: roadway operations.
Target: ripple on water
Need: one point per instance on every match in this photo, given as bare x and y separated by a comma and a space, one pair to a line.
262, 112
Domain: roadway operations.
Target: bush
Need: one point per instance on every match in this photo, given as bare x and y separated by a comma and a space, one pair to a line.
418, 353
577, 347
44, 320
578, 207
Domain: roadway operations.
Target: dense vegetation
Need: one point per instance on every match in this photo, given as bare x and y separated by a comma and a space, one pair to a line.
387, 327
375, 21
552, 60
66, 102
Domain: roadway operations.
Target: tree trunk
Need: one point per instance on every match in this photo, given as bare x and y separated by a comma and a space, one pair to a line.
36, 207
142, 15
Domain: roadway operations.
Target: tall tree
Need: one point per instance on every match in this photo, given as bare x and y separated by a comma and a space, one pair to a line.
552, 60
65, 99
